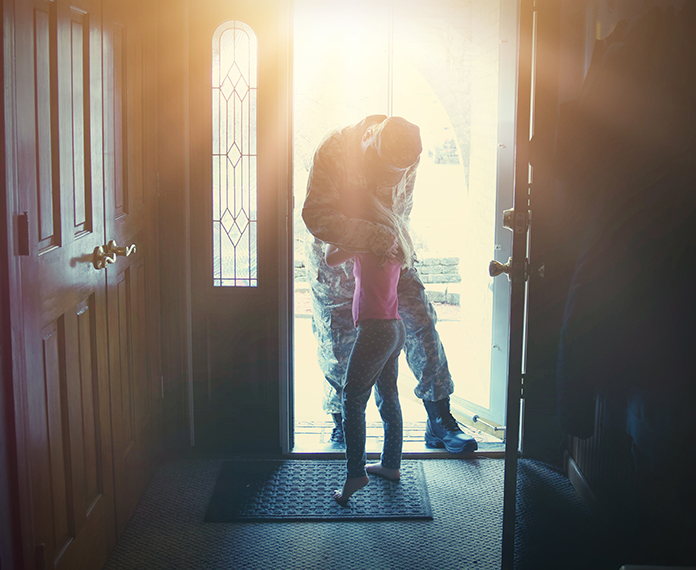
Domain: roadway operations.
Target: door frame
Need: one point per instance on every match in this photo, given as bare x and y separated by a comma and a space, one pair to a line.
518, 274
16, 519
286, 251
507, 97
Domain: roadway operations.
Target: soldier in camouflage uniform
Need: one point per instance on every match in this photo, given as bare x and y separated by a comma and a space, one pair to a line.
379, 155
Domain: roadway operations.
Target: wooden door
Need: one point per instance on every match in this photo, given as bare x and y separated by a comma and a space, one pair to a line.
130, 183
83, 174
67, 463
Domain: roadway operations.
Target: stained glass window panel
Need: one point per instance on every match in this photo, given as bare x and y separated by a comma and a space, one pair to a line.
234, 84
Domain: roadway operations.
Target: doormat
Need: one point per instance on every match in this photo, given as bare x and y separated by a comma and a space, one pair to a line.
301, 490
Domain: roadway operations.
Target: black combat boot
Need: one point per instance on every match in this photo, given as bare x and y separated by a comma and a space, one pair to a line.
337, 433
442, 429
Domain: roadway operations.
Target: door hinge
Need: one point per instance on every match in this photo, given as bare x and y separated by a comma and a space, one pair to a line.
522, 377
23, 234
476, 418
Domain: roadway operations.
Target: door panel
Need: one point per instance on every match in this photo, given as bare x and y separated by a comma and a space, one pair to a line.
69, 427
134, 417
73, 483
63, 296
48, 205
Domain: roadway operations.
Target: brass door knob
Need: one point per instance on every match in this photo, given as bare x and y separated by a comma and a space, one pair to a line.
125, 251
101, 257
495, 268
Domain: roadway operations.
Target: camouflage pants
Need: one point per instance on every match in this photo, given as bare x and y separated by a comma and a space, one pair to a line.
332, 322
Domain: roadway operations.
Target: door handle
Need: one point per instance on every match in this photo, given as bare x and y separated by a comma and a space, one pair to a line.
495, 268
124, 251
101, 257
517, 272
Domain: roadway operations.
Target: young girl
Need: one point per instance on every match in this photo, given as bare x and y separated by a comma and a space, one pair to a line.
375, 354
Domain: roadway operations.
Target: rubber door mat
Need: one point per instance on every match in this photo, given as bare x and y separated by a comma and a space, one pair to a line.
301, 490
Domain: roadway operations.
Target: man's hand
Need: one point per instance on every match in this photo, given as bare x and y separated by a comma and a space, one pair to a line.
383, 241
336, 256
393, 248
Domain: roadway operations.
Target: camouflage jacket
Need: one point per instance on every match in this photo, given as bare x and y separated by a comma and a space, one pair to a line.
336, 184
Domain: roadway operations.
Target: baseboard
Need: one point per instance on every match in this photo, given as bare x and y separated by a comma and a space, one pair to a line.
582, 487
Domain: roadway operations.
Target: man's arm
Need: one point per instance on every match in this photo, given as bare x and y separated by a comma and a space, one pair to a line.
322, 210
336, 256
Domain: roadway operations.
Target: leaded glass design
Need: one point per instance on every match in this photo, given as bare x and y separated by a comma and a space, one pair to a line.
234, 83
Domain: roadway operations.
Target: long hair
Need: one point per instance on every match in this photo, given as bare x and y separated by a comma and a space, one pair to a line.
379, 213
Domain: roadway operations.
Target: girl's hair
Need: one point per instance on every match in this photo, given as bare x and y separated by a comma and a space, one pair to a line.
383, 215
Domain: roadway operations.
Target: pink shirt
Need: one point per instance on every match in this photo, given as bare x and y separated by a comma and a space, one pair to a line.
375, 294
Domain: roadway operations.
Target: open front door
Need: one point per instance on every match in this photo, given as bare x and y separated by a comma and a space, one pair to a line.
516, 268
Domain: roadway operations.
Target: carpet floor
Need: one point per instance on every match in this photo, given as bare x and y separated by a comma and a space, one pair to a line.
553, 528
167, 529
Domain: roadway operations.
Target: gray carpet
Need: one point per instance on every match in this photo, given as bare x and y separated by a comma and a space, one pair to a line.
287, 490
167, 528
554, 531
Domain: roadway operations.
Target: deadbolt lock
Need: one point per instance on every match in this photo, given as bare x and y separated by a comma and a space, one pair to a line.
517, 221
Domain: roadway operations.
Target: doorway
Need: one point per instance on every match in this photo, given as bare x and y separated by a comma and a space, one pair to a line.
441, 69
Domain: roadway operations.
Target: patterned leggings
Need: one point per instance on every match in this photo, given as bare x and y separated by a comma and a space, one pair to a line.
373, 361
332, 322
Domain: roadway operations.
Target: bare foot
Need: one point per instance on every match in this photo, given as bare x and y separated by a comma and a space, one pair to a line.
351, 485
386, 472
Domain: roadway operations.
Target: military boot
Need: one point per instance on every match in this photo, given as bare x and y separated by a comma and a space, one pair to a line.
337, 433
442, 429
